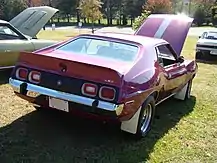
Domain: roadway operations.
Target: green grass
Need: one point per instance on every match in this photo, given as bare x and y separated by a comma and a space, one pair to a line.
60, 34
182, 131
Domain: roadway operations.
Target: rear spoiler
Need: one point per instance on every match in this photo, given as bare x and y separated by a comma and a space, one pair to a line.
45, 62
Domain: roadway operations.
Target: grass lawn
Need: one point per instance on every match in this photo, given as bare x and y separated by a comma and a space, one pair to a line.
182, 131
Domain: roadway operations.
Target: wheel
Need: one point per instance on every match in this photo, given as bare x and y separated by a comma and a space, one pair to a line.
146, 117
188, 91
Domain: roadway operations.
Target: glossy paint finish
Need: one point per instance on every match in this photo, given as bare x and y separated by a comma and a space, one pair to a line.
134, 82
172, 28
10, 49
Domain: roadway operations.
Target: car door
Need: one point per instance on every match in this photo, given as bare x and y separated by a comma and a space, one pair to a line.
11, 43
9, 51
174, 72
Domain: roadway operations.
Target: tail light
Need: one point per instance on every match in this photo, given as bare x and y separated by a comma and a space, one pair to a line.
21, 73
35, 77
107, 93
89, 89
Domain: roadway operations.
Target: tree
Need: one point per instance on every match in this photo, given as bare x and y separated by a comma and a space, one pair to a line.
202, 11
140, 19
2, 4
90, 9
66, 8
199, 16
10, 8
36, 2
159, 6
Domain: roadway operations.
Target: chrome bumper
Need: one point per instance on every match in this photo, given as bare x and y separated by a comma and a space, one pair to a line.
34, 91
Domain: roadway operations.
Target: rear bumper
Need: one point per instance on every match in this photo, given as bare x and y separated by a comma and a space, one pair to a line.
39, 95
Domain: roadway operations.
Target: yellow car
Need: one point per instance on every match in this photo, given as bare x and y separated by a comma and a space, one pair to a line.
20, 34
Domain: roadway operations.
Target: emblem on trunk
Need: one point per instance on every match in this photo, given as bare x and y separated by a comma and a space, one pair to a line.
63, 67
59, 83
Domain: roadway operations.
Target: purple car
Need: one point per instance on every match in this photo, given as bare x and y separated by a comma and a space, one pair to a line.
111, 76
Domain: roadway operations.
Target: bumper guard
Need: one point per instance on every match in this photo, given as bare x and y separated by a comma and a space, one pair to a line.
31, 90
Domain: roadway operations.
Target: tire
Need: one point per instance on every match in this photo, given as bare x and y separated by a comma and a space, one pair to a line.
144, 122
188, 91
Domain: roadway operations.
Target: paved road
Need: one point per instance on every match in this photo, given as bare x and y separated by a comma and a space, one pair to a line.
194, 31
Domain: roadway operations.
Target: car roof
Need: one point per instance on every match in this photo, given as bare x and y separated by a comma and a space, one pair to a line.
4, 22
143, 40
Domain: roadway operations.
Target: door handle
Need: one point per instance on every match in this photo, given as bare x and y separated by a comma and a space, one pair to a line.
7, 50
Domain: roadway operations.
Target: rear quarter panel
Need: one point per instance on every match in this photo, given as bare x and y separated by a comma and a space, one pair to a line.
191, 67
140, 82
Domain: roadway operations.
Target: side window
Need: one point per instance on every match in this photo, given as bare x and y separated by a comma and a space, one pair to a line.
7, 33
165, 55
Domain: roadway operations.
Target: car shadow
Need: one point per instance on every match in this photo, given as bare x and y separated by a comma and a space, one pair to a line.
4, 76
210, 62
52, 136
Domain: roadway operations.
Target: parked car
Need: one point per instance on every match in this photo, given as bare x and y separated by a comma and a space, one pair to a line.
206, 47
117, 76
20, 34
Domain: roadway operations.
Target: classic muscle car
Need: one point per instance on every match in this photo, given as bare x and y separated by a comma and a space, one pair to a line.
20, 34
206, 47
118, 76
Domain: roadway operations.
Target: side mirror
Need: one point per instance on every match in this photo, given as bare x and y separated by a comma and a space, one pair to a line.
180, 59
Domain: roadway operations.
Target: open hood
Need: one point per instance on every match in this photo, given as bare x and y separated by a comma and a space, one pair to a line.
33, 19
172, 28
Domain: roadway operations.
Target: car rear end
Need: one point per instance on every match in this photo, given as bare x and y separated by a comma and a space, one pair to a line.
67, 85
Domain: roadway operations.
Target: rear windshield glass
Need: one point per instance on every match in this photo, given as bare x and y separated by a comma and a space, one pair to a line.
102, 48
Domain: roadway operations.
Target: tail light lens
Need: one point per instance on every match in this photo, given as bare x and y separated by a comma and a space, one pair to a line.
89, 89
35, 77
21, 73
107, 93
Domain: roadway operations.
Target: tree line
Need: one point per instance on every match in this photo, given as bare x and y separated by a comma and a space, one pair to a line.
118, 12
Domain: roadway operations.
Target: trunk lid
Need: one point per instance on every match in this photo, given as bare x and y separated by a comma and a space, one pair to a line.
33, 19
172, 28
107, 74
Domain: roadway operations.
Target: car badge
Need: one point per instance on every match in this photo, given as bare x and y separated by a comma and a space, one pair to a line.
59, 83
63, 70
63, 67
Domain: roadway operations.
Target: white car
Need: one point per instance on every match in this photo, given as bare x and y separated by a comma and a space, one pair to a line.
206, 47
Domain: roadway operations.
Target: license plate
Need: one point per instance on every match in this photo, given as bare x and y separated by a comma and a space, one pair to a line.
213, 52
59, 104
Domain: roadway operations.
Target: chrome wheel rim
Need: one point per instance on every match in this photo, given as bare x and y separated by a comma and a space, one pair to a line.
146, 119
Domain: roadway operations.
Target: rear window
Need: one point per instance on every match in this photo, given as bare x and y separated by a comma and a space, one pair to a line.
102, 48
